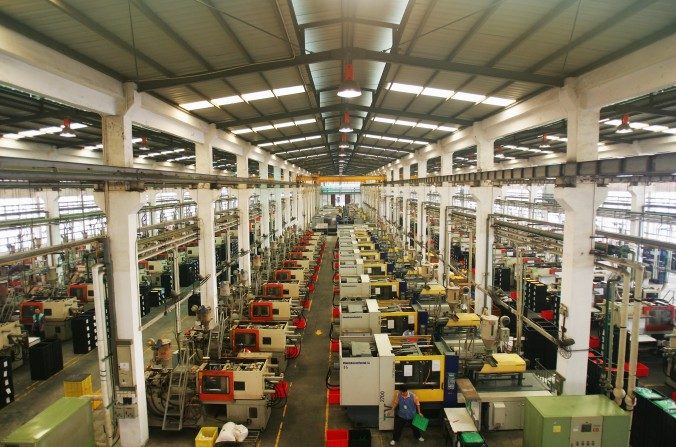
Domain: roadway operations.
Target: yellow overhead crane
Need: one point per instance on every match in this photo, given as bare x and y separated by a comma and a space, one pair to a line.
316, 179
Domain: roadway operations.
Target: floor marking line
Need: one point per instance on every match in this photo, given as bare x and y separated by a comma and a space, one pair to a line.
279, 433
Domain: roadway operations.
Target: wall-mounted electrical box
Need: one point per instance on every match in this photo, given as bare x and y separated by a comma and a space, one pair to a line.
125, 364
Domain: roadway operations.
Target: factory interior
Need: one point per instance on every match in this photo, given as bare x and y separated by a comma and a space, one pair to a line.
340, 223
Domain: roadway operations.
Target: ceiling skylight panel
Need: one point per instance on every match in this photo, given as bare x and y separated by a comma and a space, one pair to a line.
495, 101
469, 97
289, 90
254, 96
437, 92
406, 88
196, 105
227, 100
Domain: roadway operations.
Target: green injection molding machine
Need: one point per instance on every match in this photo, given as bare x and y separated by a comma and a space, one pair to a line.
575, 421
67, 422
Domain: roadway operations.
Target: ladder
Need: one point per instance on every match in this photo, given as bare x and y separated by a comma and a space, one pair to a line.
7, 309
178, 385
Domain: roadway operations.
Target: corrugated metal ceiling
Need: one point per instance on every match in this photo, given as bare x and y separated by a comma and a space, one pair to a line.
175, 37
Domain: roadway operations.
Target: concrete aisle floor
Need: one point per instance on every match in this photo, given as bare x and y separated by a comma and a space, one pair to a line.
34, 396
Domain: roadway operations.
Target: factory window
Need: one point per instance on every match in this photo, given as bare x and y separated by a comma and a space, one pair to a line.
267, 340
239, 385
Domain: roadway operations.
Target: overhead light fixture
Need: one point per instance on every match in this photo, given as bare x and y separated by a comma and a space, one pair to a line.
67, 132
545, 143
345, 125
624, 126
342, 154
349, 87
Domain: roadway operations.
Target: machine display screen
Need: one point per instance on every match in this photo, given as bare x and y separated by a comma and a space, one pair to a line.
215, 385
418, 374
586, 428
261, 310
245, 340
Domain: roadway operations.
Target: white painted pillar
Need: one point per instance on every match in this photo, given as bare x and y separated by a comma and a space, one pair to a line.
444, 201
243, 196
483, 247
205, 198
422, 221
446, 163
265, 215
580, 204
51, 201
638, 201
405, 214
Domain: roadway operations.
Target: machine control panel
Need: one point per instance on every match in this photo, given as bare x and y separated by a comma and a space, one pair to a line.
586, 431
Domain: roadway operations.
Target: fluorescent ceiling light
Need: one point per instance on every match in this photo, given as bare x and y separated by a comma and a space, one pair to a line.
368, 135
613, 123
313, 137
224, 101
509, 146
305, 121
406, 88
241, 131
405, 123
196, 105
426, 126
389, 138
263, 94
53, 129
495, 101
136, 140
437, 92
381, 119
265, 127
284, 91
293, 140
470, 97
421, 142
447, 128
638, 125
282, 142
670, 131
285, 124
265, 144
405, 140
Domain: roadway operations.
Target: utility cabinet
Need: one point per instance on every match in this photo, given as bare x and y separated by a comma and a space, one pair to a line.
574, 421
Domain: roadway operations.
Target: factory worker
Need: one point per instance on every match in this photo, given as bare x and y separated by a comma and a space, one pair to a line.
38, 328
405, 406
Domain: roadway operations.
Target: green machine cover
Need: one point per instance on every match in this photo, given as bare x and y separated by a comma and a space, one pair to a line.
551, 421
67, 422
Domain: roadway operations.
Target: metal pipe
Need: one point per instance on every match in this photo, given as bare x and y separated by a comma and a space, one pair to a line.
638, 240
518, 273
630, 399
167, 223
103, 350
47, 250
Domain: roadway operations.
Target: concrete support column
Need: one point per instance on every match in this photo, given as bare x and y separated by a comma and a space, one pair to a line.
483, 247
485, 149
446, 163
422, 221
444, 202
206, 199
265, 216
580, 204
405, 215
243, 196
51, 201
638, 201
121, 208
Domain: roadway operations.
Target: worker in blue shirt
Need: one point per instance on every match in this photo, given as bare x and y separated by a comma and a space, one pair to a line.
38, 327
405, 406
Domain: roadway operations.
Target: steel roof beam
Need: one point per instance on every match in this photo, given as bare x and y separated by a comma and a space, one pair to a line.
341, 20
332, 132
354, 54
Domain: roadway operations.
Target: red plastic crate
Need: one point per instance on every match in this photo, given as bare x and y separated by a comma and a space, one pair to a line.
335, 312
334, 397
337, 437
300, 323
334, 345
307, 304
641, 369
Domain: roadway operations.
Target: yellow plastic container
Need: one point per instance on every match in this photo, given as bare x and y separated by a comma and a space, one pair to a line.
206, 437
77, 385
96, 404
